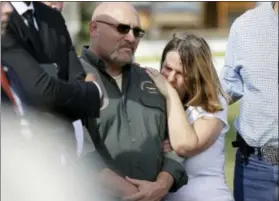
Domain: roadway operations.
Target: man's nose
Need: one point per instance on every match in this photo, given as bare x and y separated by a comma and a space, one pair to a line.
130, 36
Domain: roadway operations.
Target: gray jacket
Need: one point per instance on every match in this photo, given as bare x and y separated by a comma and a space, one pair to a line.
133, 125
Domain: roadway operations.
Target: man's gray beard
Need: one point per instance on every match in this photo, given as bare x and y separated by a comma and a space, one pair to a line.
113, 59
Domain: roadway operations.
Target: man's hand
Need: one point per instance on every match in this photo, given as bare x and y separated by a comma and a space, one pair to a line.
116, 185
148, 191
90, 77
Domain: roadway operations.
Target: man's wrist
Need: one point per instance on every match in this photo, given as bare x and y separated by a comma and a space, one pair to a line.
165, 180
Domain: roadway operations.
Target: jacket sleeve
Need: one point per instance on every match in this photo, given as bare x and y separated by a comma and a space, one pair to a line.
174, 165
101, 155
75, 100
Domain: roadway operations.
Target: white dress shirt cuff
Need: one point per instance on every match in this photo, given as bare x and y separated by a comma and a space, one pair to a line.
99, 88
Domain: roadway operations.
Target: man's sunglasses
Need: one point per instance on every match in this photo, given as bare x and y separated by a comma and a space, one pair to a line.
125, 28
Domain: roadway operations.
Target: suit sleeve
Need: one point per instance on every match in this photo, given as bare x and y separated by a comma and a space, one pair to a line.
75, 100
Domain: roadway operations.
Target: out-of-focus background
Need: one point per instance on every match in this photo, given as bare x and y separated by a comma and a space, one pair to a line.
211, 20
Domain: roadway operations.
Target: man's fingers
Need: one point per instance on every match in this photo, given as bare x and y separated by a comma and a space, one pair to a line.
90, 77
167, 147
134, 181
136, 197
167, 150
166, 143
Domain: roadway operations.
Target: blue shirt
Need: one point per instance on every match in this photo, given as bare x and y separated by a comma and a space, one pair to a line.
251, 74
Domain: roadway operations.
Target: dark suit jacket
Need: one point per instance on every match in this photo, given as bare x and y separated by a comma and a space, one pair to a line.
66, 95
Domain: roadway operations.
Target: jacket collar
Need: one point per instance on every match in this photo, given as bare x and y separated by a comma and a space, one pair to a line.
92, 59
95, 61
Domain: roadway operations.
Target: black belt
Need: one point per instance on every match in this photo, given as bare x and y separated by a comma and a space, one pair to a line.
268, 154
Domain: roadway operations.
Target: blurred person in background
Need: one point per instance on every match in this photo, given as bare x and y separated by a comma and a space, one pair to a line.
26, 81
250, 75
39, 51
56, 170
197, 110
132, 123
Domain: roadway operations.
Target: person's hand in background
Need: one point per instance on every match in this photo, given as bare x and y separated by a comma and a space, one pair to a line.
6, 10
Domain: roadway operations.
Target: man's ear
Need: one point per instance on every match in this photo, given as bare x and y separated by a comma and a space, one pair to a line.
93, 29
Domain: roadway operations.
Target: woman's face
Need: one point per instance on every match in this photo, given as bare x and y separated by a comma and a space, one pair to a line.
172, 69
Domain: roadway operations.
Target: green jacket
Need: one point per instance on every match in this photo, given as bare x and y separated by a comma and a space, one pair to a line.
133, 125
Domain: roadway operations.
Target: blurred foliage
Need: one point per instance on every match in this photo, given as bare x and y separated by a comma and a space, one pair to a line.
86, 9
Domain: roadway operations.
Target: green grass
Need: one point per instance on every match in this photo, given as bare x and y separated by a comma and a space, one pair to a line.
230, 152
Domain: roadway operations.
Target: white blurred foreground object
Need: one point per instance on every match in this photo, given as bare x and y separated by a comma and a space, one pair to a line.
44, 167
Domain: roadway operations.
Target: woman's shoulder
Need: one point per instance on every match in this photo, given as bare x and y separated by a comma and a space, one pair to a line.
194, 113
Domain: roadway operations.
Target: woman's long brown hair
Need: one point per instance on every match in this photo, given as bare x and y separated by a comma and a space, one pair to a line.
202, 84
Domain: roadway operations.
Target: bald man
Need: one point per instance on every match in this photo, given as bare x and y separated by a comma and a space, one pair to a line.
132, 123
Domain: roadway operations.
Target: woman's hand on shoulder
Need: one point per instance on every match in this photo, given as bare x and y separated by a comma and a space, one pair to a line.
160, 81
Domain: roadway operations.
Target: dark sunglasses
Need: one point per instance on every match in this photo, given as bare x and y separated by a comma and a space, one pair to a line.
125, 28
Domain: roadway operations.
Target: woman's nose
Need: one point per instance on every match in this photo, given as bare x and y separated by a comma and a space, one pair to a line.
171, 76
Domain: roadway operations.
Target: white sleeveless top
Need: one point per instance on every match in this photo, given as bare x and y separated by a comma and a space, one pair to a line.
206, 170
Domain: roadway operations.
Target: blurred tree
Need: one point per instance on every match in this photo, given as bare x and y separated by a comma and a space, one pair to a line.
86, 10
71, 13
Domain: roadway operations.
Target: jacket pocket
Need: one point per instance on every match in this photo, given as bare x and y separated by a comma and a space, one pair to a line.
153, 101
154, 113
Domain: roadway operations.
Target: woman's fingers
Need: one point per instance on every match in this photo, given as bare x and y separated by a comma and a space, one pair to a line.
167, 146
150, 75
153, 71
